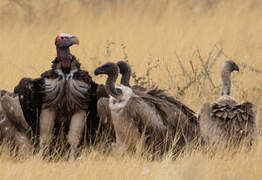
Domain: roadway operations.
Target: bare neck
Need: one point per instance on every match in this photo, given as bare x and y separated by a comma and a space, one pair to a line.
125, 78
226, 83
63, 54
110, 87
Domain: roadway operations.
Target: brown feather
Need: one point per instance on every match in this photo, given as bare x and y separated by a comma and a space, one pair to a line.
230, 121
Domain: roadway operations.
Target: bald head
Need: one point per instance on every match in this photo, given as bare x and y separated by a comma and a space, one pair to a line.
109, 68
229, 66
63, 42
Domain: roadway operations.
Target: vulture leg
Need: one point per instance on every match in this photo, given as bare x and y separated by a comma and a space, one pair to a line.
47, 121
76, 128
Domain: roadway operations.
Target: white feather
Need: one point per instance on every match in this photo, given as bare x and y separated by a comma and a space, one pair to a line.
118, 104
65, 35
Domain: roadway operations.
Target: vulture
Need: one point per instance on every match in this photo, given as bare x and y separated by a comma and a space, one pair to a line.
226, 120
64, 95
136, 111
13, 127
179, 119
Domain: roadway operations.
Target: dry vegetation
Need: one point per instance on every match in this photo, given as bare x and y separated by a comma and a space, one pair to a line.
177, 44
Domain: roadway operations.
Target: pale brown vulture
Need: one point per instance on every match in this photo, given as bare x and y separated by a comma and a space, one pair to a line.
225, 120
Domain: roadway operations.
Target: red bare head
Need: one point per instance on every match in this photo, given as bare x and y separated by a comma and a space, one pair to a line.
63, 41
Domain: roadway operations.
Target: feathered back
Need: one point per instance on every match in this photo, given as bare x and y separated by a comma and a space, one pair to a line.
179, 118
226, 100
237, 120
222, 122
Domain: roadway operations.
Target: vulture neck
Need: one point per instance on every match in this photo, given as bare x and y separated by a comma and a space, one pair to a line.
63, 53
110, 86
226, 82
126, 77
65, 58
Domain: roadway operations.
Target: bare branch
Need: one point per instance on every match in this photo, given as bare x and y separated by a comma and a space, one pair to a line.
216, 57
206, 70
182, 67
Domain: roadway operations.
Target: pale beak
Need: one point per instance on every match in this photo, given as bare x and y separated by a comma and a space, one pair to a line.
74, 40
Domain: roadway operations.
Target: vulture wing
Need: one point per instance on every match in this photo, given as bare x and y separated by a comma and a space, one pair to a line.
177, 116
239, 118
14, 113
30, 97
144, 115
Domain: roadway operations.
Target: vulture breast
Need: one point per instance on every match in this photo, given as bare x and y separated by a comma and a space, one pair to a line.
67, 93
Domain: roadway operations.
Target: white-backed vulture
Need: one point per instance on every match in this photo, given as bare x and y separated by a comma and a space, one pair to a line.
64, 95
151, 109
226, 120
180, 119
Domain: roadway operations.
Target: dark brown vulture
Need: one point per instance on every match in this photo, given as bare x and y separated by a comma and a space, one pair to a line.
137, 111
65, 94
225, 120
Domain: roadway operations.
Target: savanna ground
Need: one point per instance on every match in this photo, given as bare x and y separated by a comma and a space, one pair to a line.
177, 44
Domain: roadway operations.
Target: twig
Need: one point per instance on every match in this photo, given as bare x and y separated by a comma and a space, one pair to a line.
182, 67
206, 71
216, 57
209, 56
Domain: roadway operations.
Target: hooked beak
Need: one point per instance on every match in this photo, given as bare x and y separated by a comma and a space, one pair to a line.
236, 68
74, 40
98, 71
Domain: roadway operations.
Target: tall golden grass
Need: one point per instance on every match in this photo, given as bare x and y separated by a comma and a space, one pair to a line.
169, 34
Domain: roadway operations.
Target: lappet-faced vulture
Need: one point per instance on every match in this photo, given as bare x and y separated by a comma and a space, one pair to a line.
65, 94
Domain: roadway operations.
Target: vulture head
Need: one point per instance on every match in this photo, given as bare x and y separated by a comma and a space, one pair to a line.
229, 66
62, 42
125, 71
111, 70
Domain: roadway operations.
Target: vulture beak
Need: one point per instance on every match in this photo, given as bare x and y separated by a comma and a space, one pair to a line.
98, 71
236, 68
107, 68
74, 40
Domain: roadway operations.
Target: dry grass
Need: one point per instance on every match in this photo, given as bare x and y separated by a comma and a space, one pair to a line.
174, 35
